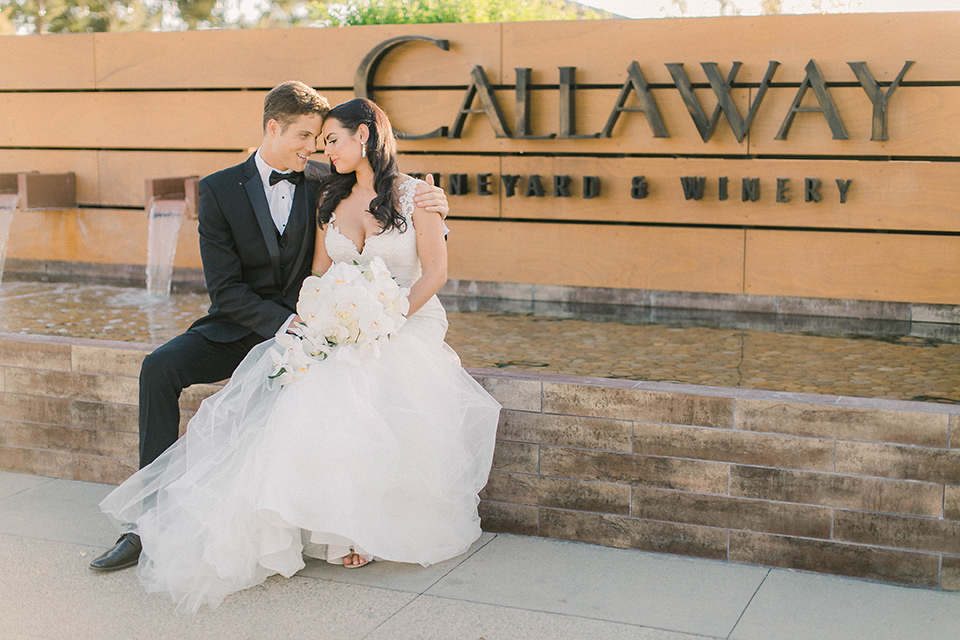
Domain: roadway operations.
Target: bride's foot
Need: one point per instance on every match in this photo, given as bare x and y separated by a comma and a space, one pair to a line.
354, 560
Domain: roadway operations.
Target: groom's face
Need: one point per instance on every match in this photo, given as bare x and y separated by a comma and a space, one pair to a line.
287, 148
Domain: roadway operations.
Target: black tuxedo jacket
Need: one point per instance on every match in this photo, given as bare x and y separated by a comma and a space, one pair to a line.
241, 254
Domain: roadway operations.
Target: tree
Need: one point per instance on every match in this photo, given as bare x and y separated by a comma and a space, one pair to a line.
771, 7
357, 12
728, 8
200, 13
73, 16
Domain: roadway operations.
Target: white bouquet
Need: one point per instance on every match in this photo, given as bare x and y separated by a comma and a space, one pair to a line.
345, 312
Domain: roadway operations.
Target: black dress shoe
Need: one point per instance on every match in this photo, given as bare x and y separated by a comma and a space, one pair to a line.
125, 553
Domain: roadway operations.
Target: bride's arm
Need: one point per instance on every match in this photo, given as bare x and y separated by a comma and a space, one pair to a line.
432, 251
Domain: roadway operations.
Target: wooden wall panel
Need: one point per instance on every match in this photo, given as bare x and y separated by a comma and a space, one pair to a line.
140, 112
857, 266
64, 61
631, 134
100, 236
472, 206
883, 195
919, 123
123, 172
263, 58
82, 163
229, 120
707, 260
602, 50
104, 236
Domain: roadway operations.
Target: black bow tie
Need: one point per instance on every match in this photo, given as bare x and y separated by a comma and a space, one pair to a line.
296, 177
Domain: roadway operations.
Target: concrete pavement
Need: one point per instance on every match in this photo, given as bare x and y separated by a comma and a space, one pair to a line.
506, 588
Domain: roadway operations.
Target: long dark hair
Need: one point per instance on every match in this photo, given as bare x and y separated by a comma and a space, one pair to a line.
382, 154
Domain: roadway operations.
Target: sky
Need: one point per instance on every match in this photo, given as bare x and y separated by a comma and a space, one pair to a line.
669, 9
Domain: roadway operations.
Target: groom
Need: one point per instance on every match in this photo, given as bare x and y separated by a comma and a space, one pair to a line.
257, 226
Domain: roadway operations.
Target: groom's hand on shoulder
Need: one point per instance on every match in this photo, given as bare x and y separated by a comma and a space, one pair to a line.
431, 198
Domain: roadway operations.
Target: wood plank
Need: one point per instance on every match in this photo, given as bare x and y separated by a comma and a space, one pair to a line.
103, 236
263, 58
82, 163
886, 267
708, 260
63, 61
882, 195
632, 132
124, 172
228, 120
471, 205
921, 121
602, 50
250, 58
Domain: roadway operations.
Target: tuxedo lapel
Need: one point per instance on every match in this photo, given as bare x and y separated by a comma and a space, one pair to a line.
258, 199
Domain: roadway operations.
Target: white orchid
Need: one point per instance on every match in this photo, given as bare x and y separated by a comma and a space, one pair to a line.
289, 360
345, 312
312, 286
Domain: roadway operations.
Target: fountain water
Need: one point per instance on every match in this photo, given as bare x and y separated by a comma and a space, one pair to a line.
166, 217
8, 205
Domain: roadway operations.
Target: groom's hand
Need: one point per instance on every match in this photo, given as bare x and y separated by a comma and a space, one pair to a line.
431, 198
293, 325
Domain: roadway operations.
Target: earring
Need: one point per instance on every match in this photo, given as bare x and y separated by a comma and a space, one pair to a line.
363, 150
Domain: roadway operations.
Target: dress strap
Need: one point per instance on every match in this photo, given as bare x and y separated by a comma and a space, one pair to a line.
408, 189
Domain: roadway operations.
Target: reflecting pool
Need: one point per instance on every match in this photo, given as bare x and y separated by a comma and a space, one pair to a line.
864, 358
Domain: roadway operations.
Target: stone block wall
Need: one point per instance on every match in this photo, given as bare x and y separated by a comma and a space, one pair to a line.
865, 488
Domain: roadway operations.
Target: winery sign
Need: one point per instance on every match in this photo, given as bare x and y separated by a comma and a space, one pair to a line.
479, 90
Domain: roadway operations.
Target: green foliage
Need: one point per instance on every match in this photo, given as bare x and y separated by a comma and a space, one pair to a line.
202, 13
359, 12
73, 16
771, 7
728, 8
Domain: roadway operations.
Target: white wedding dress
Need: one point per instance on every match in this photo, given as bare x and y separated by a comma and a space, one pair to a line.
384, 457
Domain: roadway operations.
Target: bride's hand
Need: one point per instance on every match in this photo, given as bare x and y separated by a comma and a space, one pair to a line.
294, 323
431, 198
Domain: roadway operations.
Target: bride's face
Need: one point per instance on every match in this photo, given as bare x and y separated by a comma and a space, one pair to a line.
342, 147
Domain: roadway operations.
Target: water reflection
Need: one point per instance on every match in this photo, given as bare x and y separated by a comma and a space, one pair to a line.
97, 311
835, 356
900, 331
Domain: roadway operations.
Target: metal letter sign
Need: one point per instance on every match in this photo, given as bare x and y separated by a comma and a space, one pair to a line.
814, 80
480, 89
878, 98
363, 80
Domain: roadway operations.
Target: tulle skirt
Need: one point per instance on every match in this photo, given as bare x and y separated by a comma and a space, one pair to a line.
384, 457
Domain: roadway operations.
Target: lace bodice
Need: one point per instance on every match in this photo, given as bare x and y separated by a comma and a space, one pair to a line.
397, 250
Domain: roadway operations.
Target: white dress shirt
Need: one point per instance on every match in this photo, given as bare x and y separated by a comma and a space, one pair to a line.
279, 196
280, 199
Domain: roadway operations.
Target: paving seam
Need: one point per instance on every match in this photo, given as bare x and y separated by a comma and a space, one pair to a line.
13, 495
749, 602
573, 615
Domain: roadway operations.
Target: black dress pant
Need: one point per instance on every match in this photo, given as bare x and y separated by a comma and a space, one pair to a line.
188, 359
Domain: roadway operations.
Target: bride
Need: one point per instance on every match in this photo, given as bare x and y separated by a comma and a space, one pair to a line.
362, 459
